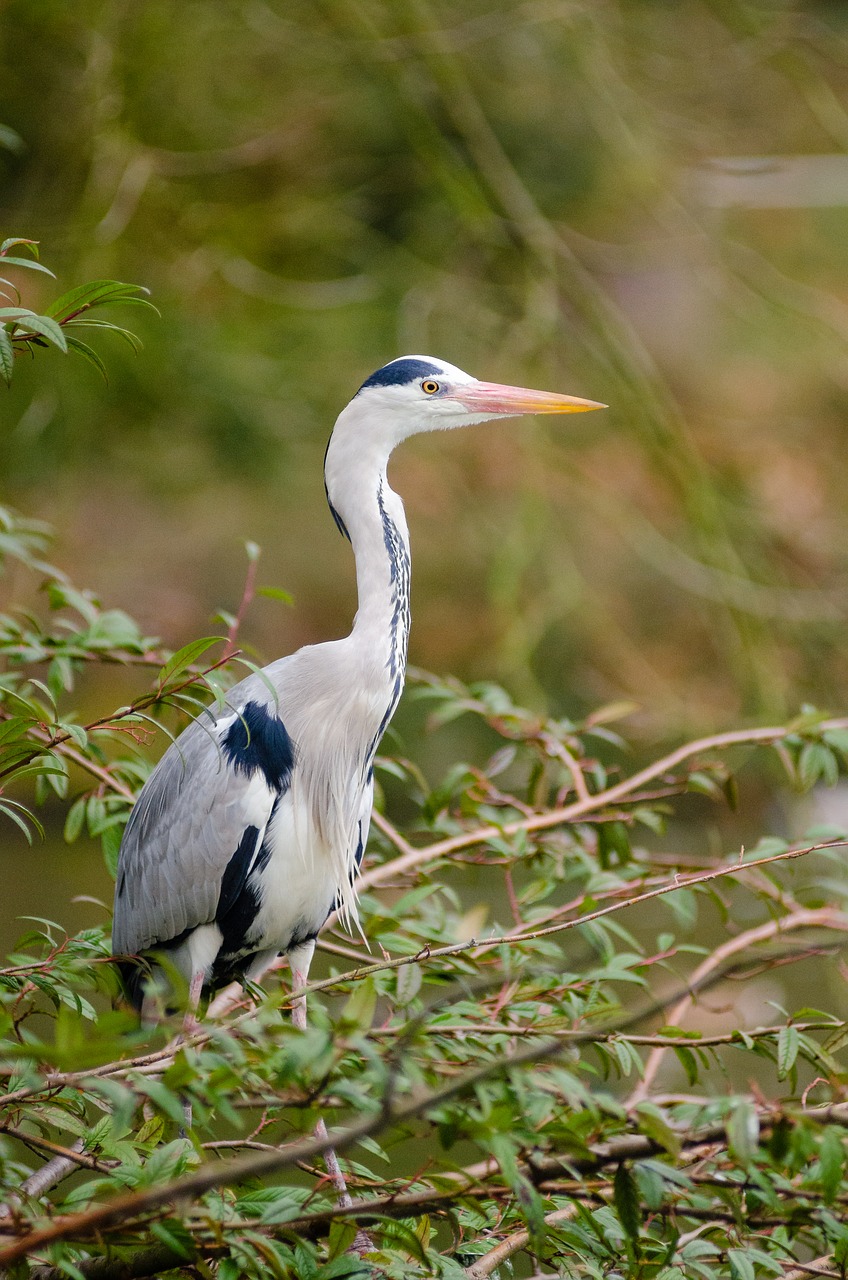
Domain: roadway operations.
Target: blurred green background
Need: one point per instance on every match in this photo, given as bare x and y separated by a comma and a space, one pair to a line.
641, 202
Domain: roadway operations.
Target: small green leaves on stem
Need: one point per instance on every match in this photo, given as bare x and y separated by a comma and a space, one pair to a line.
22, 329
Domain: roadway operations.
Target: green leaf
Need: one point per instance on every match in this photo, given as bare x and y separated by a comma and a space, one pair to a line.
683, 904
15, 313
743, 1130
689, 1063
704, 784
97, 293
163, 1098
7, 356
88, 353
131, 339
44, 326
831, 1162
151, 1132
407, 983
625, 1194
838, 1040
271, 1204
110, 843
652, 1185
183, 658
838, 739
532, 1210
361, 1005
741, 1266
69, 1269
341, 1236
32, 245
613, 844
176, 1236
74, 821
276, 593
655, 1126
787, 1050
29, 263
817, 761
22, 818
730, 787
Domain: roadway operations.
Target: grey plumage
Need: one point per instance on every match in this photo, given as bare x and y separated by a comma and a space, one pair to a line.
250, 829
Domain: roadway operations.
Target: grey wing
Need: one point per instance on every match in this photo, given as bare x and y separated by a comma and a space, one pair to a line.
203, 804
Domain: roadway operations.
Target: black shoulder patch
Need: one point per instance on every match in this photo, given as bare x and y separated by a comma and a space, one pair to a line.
398, 372
258, 740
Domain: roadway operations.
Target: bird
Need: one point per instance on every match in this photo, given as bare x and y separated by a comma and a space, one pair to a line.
251, 829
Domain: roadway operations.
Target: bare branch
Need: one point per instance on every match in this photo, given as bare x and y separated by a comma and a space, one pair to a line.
823, 917
579, 808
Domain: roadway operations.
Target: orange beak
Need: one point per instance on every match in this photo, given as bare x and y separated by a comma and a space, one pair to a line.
491, 397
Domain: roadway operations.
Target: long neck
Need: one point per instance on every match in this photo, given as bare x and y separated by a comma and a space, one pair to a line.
371, 515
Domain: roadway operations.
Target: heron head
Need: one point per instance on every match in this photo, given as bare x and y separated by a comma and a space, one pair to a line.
420, 393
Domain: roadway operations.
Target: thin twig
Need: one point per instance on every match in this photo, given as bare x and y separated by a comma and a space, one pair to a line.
106, 722
822, 917
247, 595
529, 935
578, 808
513, 1244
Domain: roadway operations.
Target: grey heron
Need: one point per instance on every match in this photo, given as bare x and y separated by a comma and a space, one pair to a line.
251, 828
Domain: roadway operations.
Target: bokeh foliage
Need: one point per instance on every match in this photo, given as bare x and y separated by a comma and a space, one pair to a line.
524, 188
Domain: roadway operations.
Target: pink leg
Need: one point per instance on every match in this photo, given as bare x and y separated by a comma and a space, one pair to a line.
190, 1022
190, 1025
300, 959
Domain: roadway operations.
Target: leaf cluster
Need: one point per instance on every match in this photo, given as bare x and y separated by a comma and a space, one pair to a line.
22, 330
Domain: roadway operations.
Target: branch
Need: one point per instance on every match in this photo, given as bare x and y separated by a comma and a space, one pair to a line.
824, 917
513, 1244
529, 935
106, 722
815, 1267
228, 1173
45, 1178
247, 595
544, 1174
579, 808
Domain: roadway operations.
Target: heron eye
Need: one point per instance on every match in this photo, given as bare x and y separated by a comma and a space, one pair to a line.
429, 388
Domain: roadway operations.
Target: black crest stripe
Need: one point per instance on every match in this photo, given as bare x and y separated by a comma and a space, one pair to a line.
399, 372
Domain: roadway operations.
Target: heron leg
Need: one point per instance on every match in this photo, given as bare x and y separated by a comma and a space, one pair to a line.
191, 1023
300, 959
